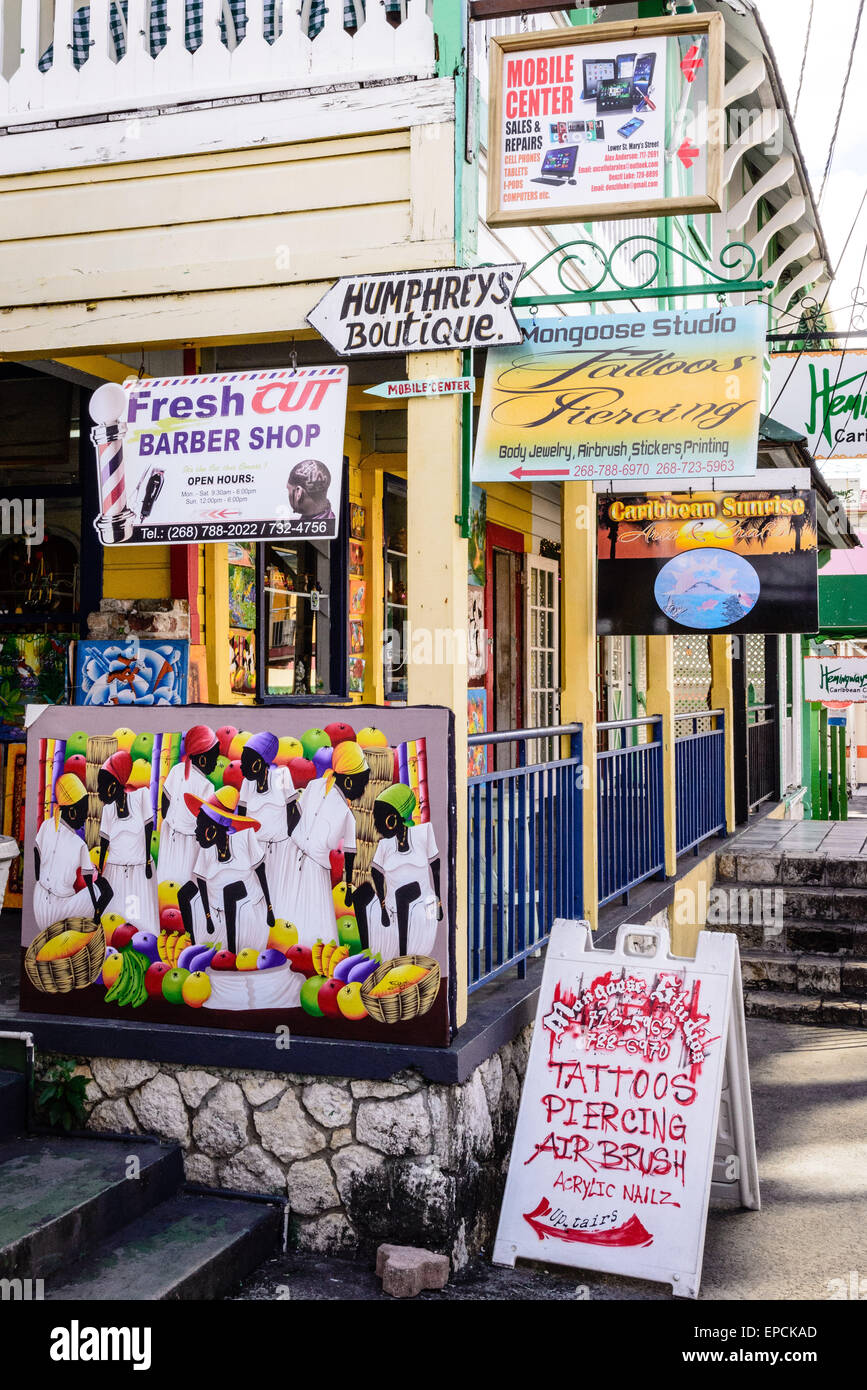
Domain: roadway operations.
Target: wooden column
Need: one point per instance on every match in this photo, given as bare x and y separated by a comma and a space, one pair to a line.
722, 697
660, 703
437, 588
578, 660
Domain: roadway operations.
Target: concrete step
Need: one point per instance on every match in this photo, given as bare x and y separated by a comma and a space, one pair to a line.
802, 902
190, 1247
782, 867
788, 1007
13, 1104
804, 973
779, 936
63, 1196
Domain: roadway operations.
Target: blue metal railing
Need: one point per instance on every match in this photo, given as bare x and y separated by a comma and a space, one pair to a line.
629, 807
699, 776
525, 847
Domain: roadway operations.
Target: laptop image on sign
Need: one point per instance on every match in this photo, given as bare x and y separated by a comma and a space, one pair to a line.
558, 166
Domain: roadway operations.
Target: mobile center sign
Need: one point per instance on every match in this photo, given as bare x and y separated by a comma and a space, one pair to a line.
624, 396
616, 120
247, 455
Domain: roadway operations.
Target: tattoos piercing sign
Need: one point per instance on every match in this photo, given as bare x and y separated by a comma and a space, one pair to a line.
614, 1149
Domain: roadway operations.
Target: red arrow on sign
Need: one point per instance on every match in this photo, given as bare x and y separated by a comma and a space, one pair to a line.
687, 154
691, 63
222, 514
520, 472
630, 1233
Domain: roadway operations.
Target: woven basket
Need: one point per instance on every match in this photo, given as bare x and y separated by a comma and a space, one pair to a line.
381, 761
94, 818
411, 1002
99, 748
72, 972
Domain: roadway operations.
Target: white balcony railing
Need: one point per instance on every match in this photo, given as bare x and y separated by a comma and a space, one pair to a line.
60, 59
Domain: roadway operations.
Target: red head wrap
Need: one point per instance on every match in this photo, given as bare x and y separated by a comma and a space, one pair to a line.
198, 739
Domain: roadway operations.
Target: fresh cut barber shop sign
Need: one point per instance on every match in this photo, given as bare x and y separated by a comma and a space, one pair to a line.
636, 396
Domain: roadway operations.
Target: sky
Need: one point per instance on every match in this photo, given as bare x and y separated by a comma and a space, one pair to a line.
827, 57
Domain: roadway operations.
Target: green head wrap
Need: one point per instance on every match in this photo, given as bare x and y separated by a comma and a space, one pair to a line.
402, 799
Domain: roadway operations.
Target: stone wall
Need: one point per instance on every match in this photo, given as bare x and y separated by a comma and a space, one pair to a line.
359, 1162
129, 617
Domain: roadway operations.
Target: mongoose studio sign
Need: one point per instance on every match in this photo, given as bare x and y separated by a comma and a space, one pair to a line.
419, 311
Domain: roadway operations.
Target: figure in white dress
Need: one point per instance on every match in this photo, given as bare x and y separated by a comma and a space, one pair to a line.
406, 881
178, 848
125, 830
67, 881
323, 824
234, 906
267, 794
228, 876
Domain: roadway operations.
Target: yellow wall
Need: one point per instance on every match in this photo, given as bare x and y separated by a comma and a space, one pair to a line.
226, 247
687, 914
136, 571
519, 507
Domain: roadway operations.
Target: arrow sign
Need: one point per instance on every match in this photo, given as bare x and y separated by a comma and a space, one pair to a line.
631, 1232
688, 154
430, 386
419, 311
520, 472
691, 63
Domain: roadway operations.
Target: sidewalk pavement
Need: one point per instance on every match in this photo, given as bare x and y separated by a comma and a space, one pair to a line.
810, 1106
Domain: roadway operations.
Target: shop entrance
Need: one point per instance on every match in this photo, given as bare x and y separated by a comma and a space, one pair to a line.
504, 623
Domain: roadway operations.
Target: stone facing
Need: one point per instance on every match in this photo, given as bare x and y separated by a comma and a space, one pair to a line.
404, 1161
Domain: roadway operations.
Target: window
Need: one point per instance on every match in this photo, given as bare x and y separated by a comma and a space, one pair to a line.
396, 609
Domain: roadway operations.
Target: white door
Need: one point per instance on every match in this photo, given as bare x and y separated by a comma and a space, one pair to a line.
542, 651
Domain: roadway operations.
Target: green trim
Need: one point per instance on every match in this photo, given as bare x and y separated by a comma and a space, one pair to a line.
659, 252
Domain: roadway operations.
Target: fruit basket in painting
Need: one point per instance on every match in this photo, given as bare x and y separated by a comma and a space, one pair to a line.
408, 999
80, 964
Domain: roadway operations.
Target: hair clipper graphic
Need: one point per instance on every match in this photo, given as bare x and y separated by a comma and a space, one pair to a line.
108, 406
148, 489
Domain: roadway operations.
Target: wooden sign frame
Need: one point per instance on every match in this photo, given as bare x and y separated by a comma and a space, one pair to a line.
710, 25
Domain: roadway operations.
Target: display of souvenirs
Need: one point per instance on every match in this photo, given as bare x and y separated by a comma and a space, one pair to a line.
33, 670
356, 521
238, 875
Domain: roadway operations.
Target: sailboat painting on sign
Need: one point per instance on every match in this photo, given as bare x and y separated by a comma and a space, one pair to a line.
707, 588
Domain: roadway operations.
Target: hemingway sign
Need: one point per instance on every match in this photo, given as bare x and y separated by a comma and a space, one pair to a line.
419, 311
823, 395
644, 396
835, 678
210, 458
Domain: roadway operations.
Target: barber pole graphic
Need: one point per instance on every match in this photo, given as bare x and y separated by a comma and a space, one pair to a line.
108, 408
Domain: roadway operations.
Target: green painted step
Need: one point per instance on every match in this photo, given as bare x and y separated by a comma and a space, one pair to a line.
190, 1247
60, 1197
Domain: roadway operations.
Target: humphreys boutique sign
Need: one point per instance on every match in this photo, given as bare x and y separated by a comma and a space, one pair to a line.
645, 396
614, 120
419, 311
835, 678
707, 562
823, 395
247, 455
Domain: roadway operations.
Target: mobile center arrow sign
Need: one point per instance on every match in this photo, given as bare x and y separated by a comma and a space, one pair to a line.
419, 311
